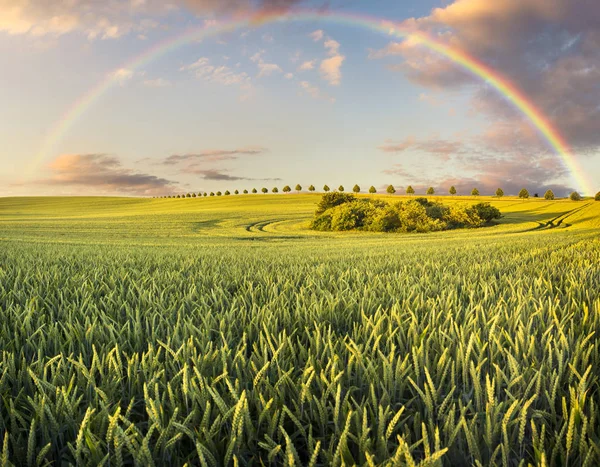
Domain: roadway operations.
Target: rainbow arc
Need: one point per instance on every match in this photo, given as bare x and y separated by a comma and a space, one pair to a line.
477, 68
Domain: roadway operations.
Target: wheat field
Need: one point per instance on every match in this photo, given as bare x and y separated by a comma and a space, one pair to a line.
222, 331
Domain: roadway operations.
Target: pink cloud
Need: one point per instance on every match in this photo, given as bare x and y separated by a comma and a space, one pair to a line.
103, 173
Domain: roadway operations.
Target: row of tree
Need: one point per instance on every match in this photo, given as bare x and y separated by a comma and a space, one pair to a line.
524, 193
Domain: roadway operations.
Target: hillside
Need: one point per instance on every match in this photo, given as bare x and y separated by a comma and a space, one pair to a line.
245, 217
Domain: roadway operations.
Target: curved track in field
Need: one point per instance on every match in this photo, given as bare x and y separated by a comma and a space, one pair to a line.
559, 221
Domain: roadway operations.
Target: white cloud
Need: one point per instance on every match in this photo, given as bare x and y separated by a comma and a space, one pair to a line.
267, 69
317, 35
308, 65
258, 56
222, 74
331, 69
201, 62
332, 46
122, 75
289, 76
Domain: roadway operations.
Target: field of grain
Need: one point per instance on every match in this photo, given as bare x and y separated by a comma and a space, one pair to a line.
221, 331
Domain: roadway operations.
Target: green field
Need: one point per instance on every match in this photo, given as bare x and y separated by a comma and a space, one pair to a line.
222, 331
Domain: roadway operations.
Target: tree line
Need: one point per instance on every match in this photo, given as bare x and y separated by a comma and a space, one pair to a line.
523, 194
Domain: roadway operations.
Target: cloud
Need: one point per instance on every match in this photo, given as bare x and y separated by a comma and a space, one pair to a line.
122, 75
221, 74
549, 49
289, 76
212, 174
317, 35
332, 46
308, 65
314, 91
157, 83
267, 69
239, 6
220, 175
213, 155
103, 173
437, 147
476, 162
95, 19
331, 69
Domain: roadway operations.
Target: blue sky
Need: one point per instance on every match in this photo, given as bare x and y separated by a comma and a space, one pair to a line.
290, 103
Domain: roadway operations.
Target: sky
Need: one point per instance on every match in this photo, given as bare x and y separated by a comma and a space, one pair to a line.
314, 101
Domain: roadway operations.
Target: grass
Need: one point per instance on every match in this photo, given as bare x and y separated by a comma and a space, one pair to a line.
220, 331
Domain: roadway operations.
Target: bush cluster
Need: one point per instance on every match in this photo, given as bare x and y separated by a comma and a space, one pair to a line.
342, 212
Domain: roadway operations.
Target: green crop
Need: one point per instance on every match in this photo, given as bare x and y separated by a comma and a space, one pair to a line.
222, 331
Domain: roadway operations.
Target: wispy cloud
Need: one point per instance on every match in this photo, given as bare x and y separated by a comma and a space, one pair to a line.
213, 155
267, 69
157, 83
307, 65
122, 75
222, 175
317, 35
220, 74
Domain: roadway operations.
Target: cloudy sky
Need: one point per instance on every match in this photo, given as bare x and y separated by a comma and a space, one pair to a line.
309, 102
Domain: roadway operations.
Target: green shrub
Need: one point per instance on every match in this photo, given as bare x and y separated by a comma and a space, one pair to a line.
487, 212
597, 197
351, 216
384, 220
343, 212
575, 196
322, 222
549, 195
330, 200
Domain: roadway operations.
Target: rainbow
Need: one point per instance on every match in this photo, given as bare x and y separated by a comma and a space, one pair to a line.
475, 67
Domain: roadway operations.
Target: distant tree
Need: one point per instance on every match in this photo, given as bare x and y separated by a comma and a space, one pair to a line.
236, 192
205, 194
212, 194
311, 188
178, 196
452, 190
287, 189
219, 193
341, 188
523, 194
390, 189
326, 188
356, 189
575, 196
475, 192
245, 192
275, 190
597, 197
410, 190
499, 192
372, 190
264, 190
193, 195
254, 190
188, 195
298, 188
227, 193
430, 191
535, 195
